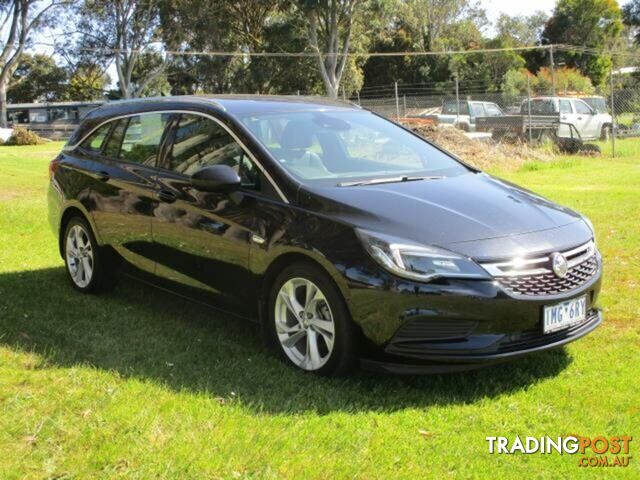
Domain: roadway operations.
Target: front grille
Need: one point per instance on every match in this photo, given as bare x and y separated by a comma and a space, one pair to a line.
434, 330
549, 283
535, 276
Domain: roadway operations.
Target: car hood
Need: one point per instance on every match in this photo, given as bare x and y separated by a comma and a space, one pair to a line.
455, 212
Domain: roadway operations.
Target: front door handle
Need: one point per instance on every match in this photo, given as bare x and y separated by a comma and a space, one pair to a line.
165, 196
579, 118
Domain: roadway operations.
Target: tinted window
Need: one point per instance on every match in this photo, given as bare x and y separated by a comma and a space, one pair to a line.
143, 138
582, 107
565, 106
94, 142
200, 142
112, 149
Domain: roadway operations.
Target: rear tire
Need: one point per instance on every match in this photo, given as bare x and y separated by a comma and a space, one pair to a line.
605, 133
308, 321
90, 268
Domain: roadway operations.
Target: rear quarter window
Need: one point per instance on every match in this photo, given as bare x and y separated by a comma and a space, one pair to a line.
94, 142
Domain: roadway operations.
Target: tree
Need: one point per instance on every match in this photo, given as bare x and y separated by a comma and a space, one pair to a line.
124, 31
521, 30
568, 80
19, 19
87, 82
330, 23
594, 24
37, 78
631, 18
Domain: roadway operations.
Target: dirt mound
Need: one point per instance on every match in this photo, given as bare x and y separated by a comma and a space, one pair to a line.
482, 154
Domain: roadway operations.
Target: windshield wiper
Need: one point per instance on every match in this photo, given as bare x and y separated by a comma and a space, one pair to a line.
378, 181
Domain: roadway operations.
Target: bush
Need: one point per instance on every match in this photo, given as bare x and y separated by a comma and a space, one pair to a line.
22, 136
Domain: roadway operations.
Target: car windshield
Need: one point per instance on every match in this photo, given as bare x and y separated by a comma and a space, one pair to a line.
599, 104
330, 147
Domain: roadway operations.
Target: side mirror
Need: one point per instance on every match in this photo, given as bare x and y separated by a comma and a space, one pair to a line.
217, 178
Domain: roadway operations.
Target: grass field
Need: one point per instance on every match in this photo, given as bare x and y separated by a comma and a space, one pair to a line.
138, 384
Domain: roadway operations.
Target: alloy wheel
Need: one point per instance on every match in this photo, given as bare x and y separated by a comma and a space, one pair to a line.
79, 254
304, 323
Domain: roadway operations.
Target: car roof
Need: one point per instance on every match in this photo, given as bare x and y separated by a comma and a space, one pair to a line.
232, 104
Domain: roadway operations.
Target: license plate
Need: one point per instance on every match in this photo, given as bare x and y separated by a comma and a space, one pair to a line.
564, 314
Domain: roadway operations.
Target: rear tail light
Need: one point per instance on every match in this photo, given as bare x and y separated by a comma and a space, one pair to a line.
53, 167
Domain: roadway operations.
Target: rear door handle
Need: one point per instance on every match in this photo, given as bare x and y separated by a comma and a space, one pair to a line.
165, 196
103, 176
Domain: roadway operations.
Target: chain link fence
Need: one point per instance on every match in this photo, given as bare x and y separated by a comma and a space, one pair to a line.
576, 121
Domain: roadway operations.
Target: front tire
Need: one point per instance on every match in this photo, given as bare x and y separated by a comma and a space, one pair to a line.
89, 266
309, 322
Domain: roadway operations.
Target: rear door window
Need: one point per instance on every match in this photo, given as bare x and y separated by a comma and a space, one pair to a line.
112, 148
143, 138
565, 106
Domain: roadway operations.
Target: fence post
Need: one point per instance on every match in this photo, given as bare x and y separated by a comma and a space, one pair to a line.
613, 118
404, 106
457, 100
397, 102
358, 96
553, 71
529, 105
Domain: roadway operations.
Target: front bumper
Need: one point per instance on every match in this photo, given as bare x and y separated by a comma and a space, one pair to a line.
451, 325
511, 346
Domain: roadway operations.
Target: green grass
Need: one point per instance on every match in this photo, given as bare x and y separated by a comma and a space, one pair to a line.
138, 384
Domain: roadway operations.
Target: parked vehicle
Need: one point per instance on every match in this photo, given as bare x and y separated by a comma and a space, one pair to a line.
560, 116
344, 235
463, 115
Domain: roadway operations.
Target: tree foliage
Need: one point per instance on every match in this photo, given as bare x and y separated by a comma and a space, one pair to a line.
37, 78
594, 24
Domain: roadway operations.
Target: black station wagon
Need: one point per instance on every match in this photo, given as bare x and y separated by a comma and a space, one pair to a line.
345, 236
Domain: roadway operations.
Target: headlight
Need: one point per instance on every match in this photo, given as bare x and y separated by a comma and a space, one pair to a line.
590, 225
418, 262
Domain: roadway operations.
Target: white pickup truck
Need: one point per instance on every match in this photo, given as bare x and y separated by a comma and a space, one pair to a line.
550, 117
590, 123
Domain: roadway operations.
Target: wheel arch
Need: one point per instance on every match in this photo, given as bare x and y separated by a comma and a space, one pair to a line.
74, 209
282, 261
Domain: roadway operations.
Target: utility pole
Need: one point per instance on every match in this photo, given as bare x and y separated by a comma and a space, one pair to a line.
553, 71
613, 117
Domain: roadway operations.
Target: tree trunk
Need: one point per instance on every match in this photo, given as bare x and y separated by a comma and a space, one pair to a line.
332, 90
3, 103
